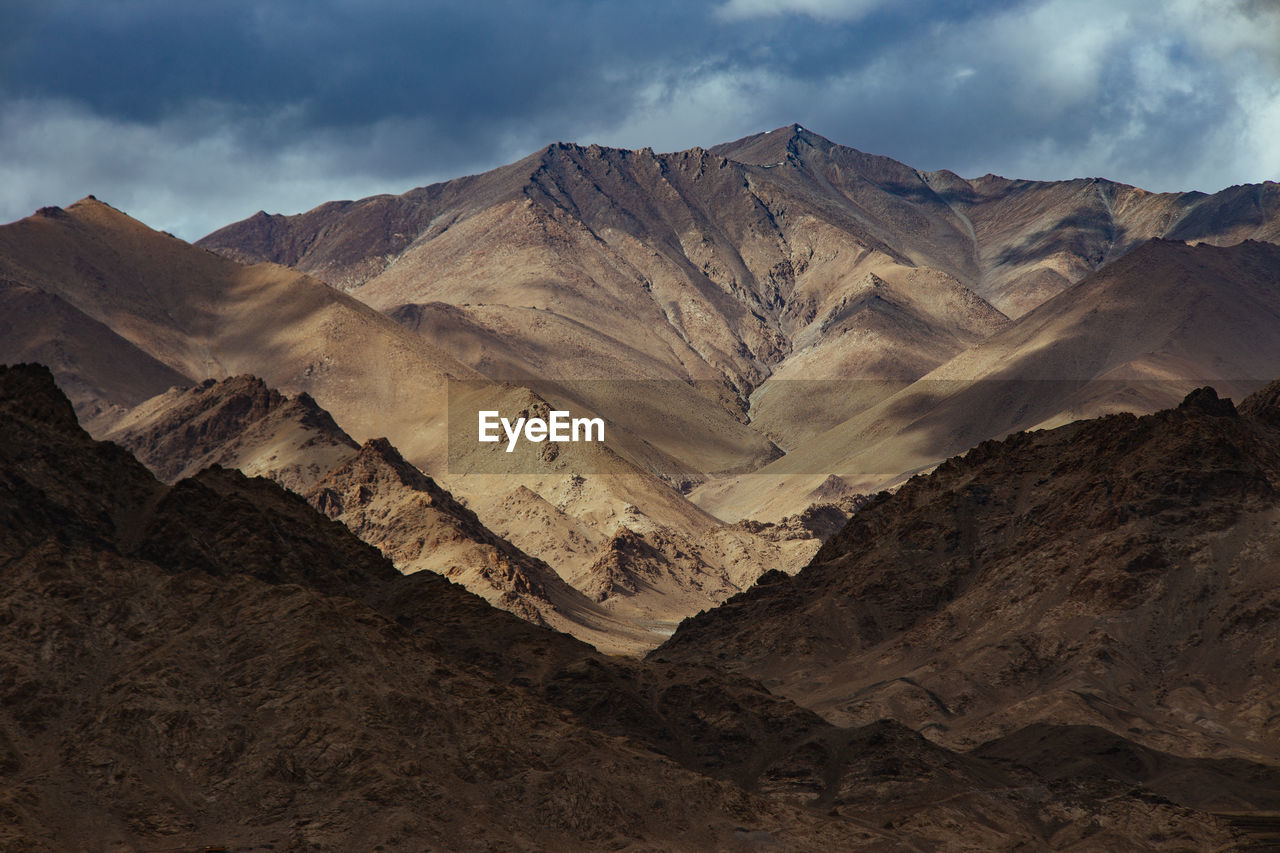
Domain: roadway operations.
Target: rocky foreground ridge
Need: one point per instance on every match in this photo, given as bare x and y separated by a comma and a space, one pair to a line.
215, 662
1121, 573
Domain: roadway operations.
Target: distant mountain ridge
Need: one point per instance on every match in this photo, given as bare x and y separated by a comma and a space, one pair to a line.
1014, 242
763, 267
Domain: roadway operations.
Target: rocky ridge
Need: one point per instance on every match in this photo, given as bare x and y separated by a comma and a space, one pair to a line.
1116, 573
215, 663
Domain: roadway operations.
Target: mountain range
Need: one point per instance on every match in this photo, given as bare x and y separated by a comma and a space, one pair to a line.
924, 517
214, 663
766, 326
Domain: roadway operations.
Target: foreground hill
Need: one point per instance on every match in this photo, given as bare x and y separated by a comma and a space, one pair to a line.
214, 663
1119, 573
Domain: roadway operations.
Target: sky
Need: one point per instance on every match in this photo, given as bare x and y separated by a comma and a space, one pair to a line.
190, 116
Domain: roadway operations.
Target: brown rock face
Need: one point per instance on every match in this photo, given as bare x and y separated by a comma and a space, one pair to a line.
388, 503
395, 507
215, 663
236, 423
1119, 572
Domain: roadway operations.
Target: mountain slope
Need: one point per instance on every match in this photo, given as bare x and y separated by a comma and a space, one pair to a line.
1118, 573
421, 527
213, 663
100, 371
207, 317
241, 423
596, 263
736, 279
236, 423
1135, 336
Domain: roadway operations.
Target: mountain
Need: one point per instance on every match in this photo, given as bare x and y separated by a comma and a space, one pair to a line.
1135, 336
732, 252
213, 663
234, 423
777, 293
1118, 573
241, 423
101, 372
206, 317
389, 503
602, 264
421, 527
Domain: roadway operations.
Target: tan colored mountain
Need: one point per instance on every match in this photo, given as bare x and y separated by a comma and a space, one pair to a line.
241, 423
395, 507
715, 308
591, 263
235, 423
213, 663
1135, 336
209, 317
779, 287
732, 253
206, 317
101, 372
1117, 573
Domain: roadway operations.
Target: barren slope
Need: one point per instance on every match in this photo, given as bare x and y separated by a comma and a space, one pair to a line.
740, 280
215, 663
207, 317
390, 504
1118, 573
101, 372
235, 423
1135, 336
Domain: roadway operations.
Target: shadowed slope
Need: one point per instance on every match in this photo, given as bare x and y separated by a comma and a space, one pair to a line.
1119, 572
215, 663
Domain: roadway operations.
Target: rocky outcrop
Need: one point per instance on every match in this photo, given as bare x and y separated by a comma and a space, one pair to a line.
1118, 572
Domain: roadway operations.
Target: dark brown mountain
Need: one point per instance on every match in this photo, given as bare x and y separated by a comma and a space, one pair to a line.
1118, 573
215, 663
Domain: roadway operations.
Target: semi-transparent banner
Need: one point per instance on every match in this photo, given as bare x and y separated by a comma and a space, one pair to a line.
689, 431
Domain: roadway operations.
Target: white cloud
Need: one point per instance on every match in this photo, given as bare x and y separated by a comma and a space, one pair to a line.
822, 10
195, 172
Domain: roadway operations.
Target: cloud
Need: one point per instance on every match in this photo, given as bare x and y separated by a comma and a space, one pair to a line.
192, 116
204, 167
828, 10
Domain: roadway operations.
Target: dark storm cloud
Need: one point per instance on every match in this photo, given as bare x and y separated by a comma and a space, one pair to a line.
337, 66
190, 115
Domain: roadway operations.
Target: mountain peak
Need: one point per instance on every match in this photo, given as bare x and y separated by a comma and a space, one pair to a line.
773, 146
29, 390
